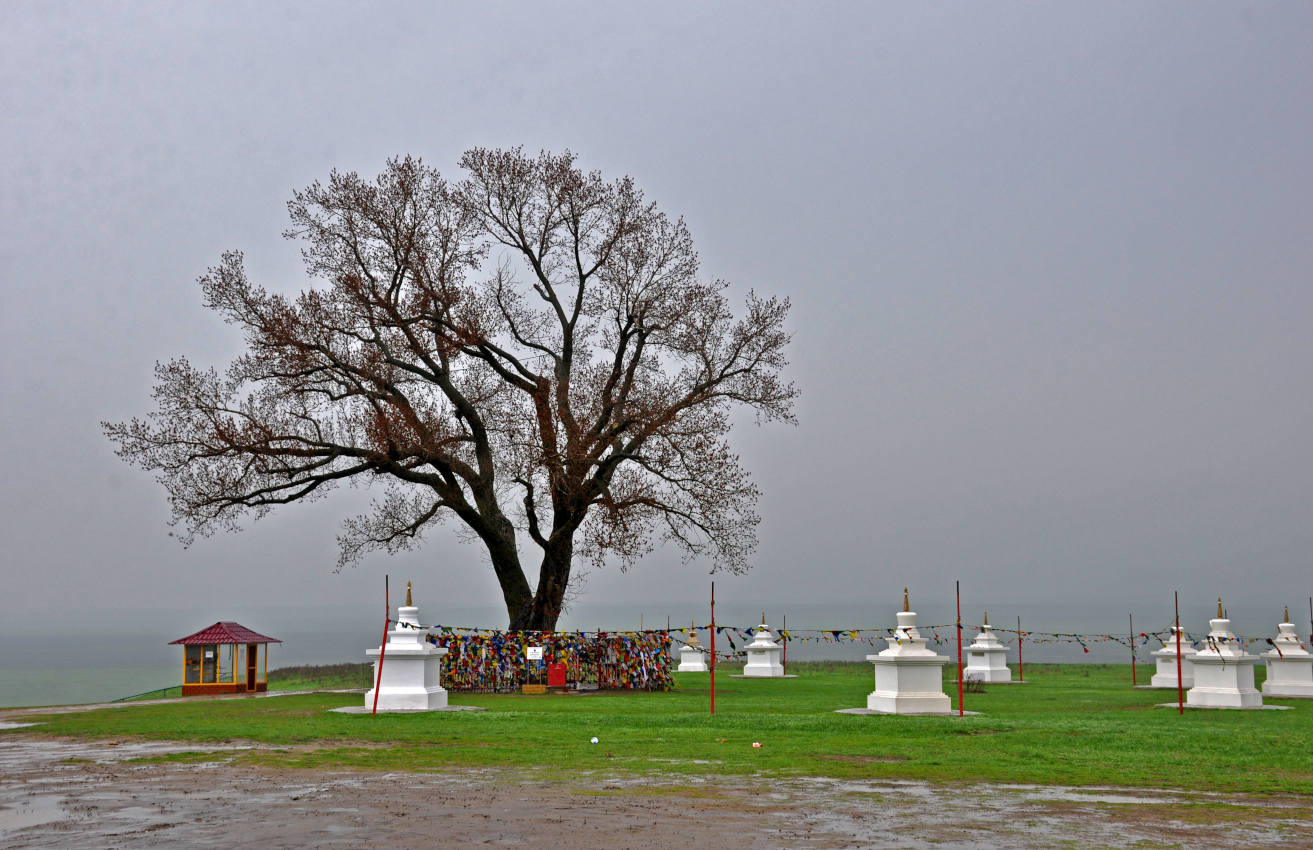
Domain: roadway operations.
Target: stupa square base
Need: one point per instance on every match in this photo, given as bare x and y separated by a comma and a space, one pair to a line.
401, 699
362, 709
1165, 682
921, 676
1222, 681
905, 703
868, 711
747, 676
1223, 698
1227, 707
1289, 676
991, 676
1287, 690
691, 660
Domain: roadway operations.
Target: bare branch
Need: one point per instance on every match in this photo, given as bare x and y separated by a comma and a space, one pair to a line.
592, 396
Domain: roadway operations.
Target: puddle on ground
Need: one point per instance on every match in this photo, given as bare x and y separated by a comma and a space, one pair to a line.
75, 792
16, 752
30, 811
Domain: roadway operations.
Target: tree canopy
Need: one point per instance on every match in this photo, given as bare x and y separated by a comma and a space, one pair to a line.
531, 350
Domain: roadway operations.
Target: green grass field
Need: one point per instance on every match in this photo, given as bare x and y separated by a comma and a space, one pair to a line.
321, 677
1069, 725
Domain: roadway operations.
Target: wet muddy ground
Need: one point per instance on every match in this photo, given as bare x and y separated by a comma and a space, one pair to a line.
66, 793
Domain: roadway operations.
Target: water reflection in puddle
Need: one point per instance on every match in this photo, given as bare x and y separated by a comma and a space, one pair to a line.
30, 811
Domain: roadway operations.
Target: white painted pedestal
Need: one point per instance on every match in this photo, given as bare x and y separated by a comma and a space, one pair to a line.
1165, 677
763, 656
987, 658
908, 677
1223, 672
1289, 671
412, 668
691, 660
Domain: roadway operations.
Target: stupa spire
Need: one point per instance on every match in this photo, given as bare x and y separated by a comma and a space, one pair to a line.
409, 604
907, 606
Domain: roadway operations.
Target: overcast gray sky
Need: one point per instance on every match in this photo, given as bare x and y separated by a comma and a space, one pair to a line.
1049, 264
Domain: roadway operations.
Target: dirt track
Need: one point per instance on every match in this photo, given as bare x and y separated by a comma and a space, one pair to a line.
62, 793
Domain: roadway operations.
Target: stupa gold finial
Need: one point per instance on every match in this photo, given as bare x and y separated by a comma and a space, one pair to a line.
986, 618
1220, 615
907, 606
693, 634
1287, 617
763, 618
409, 604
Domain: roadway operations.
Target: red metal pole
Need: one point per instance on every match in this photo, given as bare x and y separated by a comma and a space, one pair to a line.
1021, 665
1132, 620
1181, 687
784, 657
713, 647
960, 707
383, 647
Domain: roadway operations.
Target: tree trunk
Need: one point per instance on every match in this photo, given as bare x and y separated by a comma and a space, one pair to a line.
527, 610
510, 575
553, 578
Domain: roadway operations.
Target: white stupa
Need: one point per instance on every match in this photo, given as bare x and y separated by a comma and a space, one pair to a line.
691, 659
763, 655
412, 667
987, 657
908, 676
1289, 665
1223, 671
1165, 677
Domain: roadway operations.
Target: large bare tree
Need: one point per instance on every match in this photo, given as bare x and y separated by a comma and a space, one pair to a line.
532, 351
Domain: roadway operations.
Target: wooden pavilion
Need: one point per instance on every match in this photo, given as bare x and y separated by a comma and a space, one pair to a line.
225, 658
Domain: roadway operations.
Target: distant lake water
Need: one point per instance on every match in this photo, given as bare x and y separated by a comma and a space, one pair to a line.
118, 654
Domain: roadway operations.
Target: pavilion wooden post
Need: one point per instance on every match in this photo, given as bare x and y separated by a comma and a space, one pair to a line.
960, 708
713, 647
383, 647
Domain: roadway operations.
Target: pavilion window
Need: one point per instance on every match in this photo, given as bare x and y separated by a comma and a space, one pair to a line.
209, 663
227, 663
192, 664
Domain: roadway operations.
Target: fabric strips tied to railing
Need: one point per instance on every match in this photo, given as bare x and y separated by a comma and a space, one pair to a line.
481, 661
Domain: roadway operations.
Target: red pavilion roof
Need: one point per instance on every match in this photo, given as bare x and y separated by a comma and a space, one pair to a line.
225, 632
